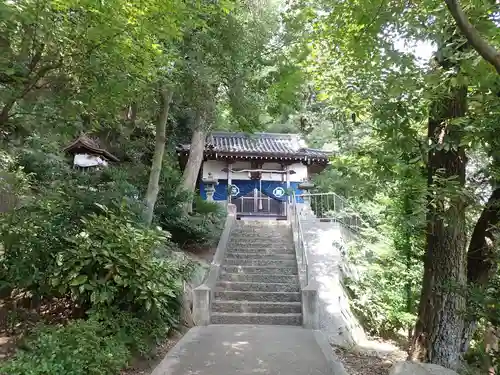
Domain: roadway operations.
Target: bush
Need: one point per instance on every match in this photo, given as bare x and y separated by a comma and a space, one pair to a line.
80, 348
65, 244
39, 228
112, 262
195, 229
44, 160
139, 332
203, 226
379, 294
31, 235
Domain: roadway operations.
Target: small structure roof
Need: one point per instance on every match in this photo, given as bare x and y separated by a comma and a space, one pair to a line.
84, 144
259, 146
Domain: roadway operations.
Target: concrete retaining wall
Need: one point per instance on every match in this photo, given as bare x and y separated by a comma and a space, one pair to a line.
325, 243
203, 294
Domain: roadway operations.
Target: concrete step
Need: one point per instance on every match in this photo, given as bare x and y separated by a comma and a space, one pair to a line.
257, 307
257, 287
255, 255
261, 269
252, 318
262, 223
230, 295
268, 250
262, 242
258, 278
261, 262
259, 235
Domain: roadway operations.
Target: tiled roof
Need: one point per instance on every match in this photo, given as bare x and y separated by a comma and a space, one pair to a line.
288, 146
84, 143
259, 143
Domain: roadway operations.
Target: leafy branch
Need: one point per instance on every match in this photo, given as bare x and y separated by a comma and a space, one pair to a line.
486, 50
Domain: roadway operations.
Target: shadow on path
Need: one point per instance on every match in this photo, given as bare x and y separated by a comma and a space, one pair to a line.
247, 350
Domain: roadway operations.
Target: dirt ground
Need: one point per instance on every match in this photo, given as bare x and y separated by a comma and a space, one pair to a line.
19, 313
359, 362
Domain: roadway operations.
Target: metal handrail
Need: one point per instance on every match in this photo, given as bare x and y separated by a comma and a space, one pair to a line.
300, 237
309, 197
344, 208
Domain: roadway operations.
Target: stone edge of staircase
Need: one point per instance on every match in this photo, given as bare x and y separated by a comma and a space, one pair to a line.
334, 363
202, 295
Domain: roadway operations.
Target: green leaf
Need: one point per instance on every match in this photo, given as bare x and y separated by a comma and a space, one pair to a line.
118, 279
79, 280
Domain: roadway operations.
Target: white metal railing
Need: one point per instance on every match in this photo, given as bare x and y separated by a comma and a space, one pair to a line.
333, 207
300, 237
325, 207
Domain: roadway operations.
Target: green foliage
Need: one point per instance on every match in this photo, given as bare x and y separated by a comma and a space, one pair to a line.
34, 233
15, 183
139, 332
44, 160
84, 238
203, 226
111, 261
31, 236
107, 259
379, 291
79, 348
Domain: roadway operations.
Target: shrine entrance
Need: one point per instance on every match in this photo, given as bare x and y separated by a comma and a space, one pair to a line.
258, 204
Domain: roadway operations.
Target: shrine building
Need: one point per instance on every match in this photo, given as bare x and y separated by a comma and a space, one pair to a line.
256, 172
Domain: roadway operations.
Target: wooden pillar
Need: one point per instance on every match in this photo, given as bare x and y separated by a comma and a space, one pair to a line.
229, 180
287, 169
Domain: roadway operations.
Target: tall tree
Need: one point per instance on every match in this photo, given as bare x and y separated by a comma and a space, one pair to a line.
439, 326
165, 94
222, 68
370, 35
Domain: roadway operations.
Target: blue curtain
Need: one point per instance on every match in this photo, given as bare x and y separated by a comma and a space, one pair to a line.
242, 187
274, 189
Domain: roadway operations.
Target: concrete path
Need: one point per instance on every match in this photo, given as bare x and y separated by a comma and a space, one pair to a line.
250, 350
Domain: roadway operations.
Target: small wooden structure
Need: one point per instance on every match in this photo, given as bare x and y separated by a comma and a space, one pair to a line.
87, 153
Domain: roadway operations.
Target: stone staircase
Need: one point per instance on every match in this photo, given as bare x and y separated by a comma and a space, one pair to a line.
258, 282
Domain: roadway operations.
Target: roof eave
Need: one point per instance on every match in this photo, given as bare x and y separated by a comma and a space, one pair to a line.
79, 144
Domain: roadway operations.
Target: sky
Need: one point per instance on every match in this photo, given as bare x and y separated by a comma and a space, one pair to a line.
421, 50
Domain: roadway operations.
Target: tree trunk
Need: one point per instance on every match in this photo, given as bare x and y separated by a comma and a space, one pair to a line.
5, 112
440, 322
195, 159
154, 176
481, 262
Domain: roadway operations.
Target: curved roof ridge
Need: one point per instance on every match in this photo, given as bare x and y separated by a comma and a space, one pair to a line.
268, 145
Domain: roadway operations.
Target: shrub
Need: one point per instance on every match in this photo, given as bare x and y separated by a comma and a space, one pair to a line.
194, 229
379, 294
113, 262
80, 348
44, 160
31, 235
39, 228
64, 244
139, 332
